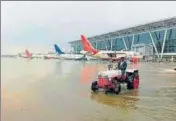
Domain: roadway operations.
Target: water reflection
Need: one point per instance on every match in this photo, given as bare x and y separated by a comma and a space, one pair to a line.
66, 68
126, 100
134, 65
58, 67
50, 90
89, 72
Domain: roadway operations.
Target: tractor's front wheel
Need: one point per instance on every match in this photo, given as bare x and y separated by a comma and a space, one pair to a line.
94, 86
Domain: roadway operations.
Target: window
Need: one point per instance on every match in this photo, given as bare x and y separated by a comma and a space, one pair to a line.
170, 44
102, 45
136, 39
108, 44
158, 38
74, 48
114, 44
120, 44
98, 45
117, 44
79, 48
128, 41
93, 43
142, 39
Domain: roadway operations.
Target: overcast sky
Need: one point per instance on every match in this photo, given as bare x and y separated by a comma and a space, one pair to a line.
37, 25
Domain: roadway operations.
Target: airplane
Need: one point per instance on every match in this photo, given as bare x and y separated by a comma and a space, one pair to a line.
26, 54
58, 54
30, 55
89, 50
62, 55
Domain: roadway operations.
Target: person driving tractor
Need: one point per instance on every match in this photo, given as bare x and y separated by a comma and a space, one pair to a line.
122, 65
110, 65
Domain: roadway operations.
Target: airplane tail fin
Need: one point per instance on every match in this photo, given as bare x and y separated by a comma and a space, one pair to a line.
28, 54
58, 50
87, 46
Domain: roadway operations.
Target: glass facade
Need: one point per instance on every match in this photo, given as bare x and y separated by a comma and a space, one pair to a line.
101, 45
170, 44
143, 38
128, 41
93, 44
158, 38
108, 44
117, 44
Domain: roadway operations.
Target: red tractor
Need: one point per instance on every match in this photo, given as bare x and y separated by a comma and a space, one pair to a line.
110, 81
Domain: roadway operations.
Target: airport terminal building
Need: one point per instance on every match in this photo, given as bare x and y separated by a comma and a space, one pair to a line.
152, 39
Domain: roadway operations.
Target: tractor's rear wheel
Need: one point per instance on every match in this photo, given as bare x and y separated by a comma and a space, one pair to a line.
117, 88
130, 85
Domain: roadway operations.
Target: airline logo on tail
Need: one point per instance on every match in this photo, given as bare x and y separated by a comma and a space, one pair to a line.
58, 50
28, 54
87, 46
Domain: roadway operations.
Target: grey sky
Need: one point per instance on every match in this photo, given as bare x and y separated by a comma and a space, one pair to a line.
38, 25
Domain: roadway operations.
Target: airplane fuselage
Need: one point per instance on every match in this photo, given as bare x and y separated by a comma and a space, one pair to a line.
71, 56
111, 55
89, 50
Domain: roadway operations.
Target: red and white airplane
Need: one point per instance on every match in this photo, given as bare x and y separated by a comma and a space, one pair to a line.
30, 55
89, 50
26, 54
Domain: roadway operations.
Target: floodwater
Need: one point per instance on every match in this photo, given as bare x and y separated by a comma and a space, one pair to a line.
56, 90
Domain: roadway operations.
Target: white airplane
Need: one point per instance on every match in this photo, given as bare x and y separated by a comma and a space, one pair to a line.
30, 55
58, 54
89, 50
61, 55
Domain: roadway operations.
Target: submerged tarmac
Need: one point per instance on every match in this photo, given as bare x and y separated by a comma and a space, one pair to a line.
57, 90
